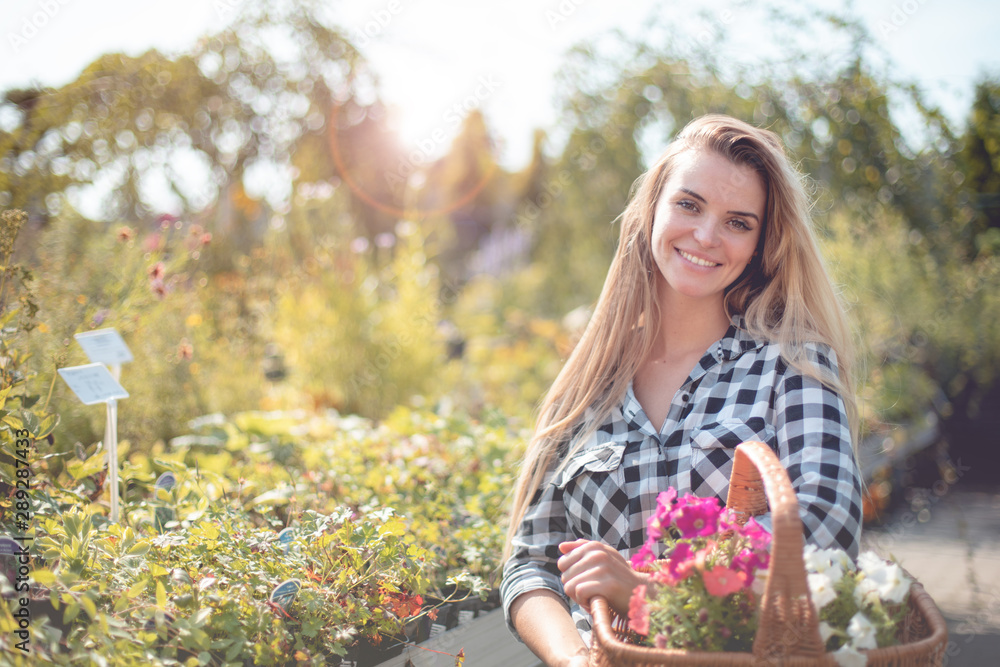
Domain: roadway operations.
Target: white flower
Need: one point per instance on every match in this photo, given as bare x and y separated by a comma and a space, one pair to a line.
849, 657
866, 592
893, 585
821, 590
861, 632
825, 631
841, 558
831, 562
881, 580
870, 561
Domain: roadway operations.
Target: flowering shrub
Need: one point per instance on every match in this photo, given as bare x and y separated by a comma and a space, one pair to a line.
859, 607
700, 595
393, 527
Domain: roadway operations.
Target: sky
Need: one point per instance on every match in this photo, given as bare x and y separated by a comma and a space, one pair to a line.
437, 58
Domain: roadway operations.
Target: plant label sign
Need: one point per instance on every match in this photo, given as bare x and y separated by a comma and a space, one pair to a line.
105, 346
93, 383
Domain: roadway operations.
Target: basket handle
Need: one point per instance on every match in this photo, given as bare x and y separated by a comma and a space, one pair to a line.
788, 624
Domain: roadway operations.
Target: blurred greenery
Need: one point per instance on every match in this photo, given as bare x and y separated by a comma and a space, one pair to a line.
306, 262
360, 280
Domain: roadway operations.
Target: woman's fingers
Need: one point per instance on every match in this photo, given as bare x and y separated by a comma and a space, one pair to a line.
594, 568
567, 547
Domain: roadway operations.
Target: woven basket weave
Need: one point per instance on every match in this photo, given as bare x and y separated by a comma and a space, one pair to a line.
788, 628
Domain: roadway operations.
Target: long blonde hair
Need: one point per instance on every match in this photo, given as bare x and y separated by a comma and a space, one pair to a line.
785, 297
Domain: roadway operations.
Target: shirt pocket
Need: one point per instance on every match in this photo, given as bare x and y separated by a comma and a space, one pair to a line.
592, 485
712, 450
600, 459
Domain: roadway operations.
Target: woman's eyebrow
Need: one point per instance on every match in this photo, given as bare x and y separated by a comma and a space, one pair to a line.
697, 196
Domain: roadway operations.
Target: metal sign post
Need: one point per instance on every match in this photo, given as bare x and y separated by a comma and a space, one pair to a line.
95, 383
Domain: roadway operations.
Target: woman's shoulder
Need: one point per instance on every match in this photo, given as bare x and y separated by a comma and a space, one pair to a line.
813, 350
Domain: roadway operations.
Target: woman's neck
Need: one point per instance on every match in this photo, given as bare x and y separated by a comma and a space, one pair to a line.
687, 327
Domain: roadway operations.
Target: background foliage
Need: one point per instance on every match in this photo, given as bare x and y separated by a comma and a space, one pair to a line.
291, 274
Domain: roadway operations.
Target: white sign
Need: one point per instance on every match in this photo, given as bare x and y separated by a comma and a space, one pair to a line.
93, 383
105, 346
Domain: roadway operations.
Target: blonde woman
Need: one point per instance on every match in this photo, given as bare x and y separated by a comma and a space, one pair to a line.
717, 324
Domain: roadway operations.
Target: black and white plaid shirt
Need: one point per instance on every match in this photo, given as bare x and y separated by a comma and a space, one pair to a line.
740, 390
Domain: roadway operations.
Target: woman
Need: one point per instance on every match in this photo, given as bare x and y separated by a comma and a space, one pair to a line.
717, 324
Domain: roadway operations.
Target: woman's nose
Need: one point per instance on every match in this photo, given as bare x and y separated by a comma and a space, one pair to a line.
706, 232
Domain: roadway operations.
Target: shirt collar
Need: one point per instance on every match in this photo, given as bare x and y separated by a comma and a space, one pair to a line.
736, 341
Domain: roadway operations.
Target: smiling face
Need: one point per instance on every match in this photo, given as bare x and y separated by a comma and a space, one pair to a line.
707, 223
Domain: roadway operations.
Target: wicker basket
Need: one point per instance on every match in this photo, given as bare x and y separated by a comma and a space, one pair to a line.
788, 629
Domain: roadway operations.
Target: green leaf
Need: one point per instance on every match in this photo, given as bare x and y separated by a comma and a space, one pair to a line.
31, 421
46, 426
92, 466
72, 611
161, 595
272, 497
136, 589
3, 396
209, 530
89, 605
234, 651
13, 421
139, 549
43, 577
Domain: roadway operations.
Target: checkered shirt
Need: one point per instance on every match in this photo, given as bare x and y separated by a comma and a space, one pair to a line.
740, 390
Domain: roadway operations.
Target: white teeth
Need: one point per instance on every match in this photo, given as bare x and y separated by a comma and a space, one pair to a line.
695, 260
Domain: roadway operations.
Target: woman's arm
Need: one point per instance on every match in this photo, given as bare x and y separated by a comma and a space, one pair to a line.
545, 626
814, 445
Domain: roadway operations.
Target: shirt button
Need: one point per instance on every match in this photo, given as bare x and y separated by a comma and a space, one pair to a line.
685, 397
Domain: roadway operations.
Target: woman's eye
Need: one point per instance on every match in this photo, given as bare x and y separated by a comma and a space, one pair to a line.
686, 204
739, 224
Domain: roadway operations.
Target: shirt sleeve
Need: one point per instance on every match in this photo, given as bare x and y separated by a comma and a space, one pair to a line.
535, 549
814, 444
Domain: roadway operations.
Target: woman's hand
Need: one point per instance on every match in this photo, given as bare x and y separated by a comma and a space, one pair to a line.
592, 568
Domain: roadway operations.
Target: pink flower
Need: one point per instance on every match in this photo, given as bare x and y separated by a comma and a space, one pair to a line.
678, 566
159, 288
166, 220
748, 561
666, 499
657, 524
153, 242
759, 538
721, 581
644, 557
698, 517
157, 271
638, 611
